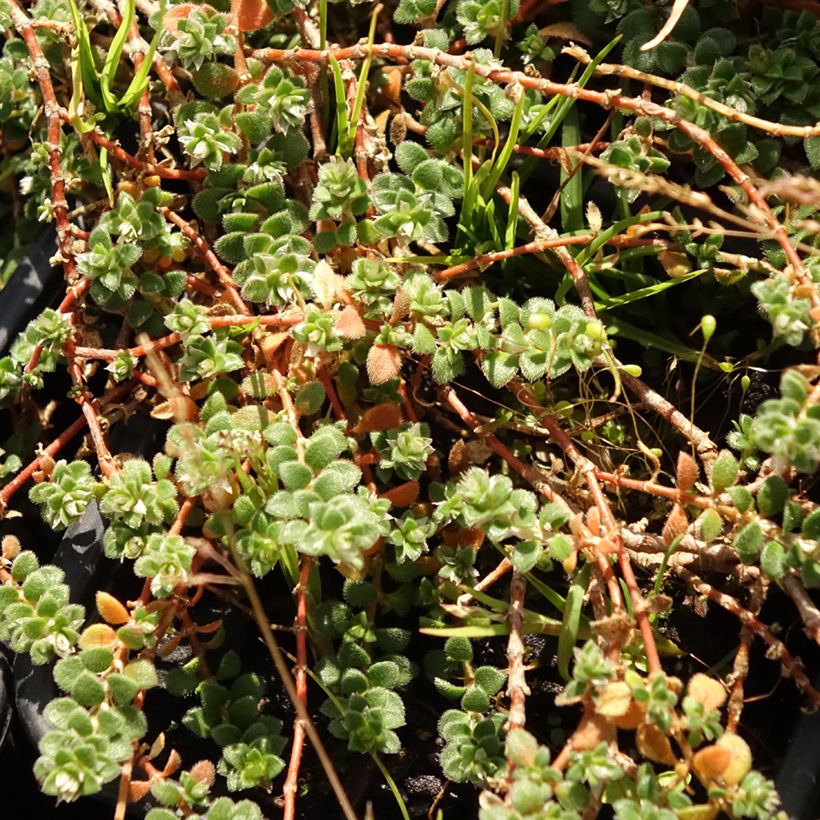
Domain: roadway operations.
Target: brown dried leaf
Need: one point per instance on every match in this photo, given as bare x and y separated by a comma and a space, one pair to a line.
710, 763
349, 324
676, 524
176, 13
157, 746
740, 756
326, 284
10, 547
251, 14
457, 460
686, 472
632, 718
614, 700
204, 772
591, 731
565, 31
706, 690
404, 495
383, 363
654, 745
137, 789
379, 417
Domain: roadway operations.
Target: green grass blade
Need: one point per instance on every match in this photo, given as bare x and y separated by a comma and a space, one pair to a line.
572, 192
138, 84
105, 170
665, 343
648, 291
363, 75
572, 620
503, 160
619, 227
91, 80
342, 122
512, 213
112, 58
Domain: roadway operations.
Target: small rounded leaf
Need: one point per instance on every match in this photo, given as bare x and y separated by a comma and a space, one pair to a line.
142, 672
97, 658
475, 700
123, 689
710, 524
489, 679
97, 635
724, 471
88, 689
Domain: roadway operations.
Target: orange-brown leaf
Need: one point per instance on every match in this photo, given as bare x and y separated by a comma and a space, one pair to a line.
404, 495
675, 525
383, 363
349, 324
379, 417
251, 14
654, 745
687, 472
711, 762
111, 610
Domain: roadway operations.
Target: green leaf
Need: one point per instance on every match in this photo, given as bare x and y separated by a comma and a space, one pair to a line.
475, 699
489, 679
142, 672
140, 80
741, 498
459, 650
295, 475
812, 146
772, 496
123, 689
748, 542
724, 471
88, 689
525, 555
772, 560
66, 672
711, 525
112, 57
811, 526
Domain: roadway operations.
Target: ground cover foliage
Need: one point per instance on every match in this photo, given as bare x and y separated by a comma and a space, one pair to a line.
488, 329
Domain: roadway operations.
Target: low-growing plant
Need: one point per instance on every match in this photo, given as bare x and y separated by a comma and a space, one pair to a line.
386, 302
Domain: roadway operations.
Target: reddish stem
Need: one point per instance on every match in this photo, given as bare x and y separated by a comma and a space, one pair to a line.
300, 628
